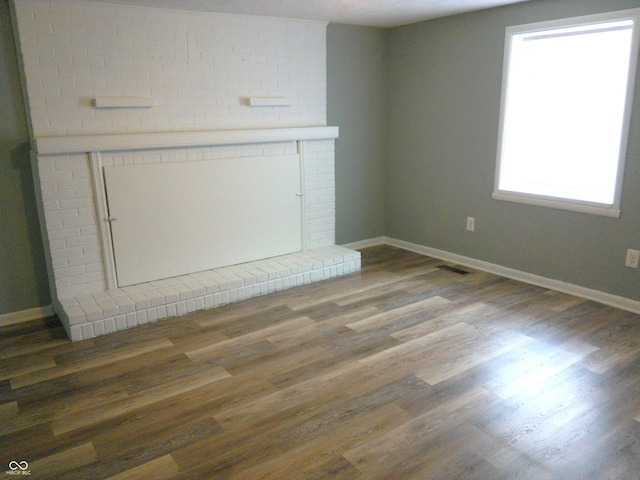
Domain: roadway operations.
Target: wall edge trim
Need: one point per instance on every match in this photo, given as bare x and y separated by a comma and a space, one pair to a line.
22, 316
599, 296
371, 242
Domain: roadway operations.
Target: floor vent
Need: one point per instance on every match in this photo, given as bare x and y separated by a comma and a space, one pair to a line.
453, 269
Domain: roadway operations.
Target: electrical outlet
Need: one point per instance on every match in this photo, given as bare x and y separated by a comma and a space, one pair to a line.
471, 224
632, 258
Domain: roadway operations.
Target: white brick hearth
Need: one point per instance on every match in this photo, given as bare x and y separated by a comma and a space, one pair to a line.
102, 312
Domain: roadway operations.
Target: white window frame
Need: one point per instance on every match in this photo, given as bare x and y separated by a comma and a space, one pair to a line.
609, 210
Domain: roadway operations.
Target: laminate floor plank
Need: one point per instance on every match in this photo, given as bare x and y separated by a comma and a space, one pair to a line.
159, 469
540, 406
87, 416
454, 286
477, 351
328, 446
20, 332
535, 364
344, 418
36, 341
25, 364
218, 348
616, 455
116, 456
218, 457
508, 292
86, 362
77, 396
470, 314
575, 321
202, 338
611, 357
9, 409
330, 362
562, 301
555, 447
59, 406
321, 312
381, 293
389, 319
235, 327
314, 393
319, 331
59, 464
442, 462
138, 425
36, 442
406, 444
357, 284
402, 370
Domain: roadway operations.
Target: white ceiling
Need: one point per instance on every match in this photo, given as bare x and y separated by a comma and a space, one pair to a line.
379, 13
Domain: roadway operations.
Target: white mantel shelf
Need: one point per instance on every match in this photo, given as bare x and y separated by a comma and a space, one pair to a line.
145, 141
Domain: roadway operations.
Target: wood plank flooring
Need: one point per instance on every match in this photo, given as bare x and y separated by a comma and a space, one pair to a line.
400, 371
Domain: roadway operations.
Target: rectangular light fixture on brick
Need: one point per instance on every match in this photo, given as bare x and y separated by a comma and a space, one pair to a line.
268, 102
122, 102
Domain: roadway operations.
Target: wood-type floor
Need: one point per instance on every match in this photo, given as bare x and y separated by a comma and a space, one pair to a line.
401, 371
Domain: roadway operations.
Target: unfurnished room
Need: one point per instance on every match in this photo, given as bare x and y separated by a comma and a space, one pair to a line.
320, 239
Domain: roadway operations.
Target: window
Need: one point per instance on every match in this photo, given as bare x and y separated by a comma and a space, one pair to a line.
566, 100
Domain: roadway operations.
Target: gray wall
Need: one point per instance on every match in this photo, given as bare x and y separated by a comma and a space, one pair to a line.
415, 156
444, 100
356, 93
23, 277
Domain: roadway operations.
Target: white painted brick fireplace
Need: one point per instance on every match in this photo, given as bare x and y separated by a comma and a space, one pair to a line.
178, 87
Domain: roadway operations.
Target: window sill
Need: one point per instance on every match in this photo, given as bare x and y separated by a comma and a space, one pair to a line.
560, 204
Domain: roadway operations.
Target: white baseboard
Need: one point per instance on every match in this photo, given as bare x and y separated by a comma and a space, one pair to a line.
609, 299
372, 242
25, 315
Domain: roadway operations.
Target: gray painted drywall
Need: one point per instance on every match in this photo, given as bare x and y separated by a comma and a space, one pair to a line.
356, 93
444, 100
422, 149
23, 274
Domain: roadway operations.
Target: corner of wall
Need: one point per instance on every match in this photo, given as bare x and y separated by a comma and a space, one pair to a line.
19, 55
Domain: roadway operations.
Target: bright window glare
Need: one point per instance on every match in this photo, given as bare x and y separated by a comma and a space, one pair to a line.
564, 111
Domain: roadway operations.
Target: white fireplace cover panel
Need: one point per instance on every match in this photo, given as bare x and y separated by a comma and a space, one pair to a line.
170, 219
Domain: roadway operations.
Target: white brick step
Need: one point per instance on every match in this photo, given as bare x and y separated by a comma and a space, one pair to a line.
90, 315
